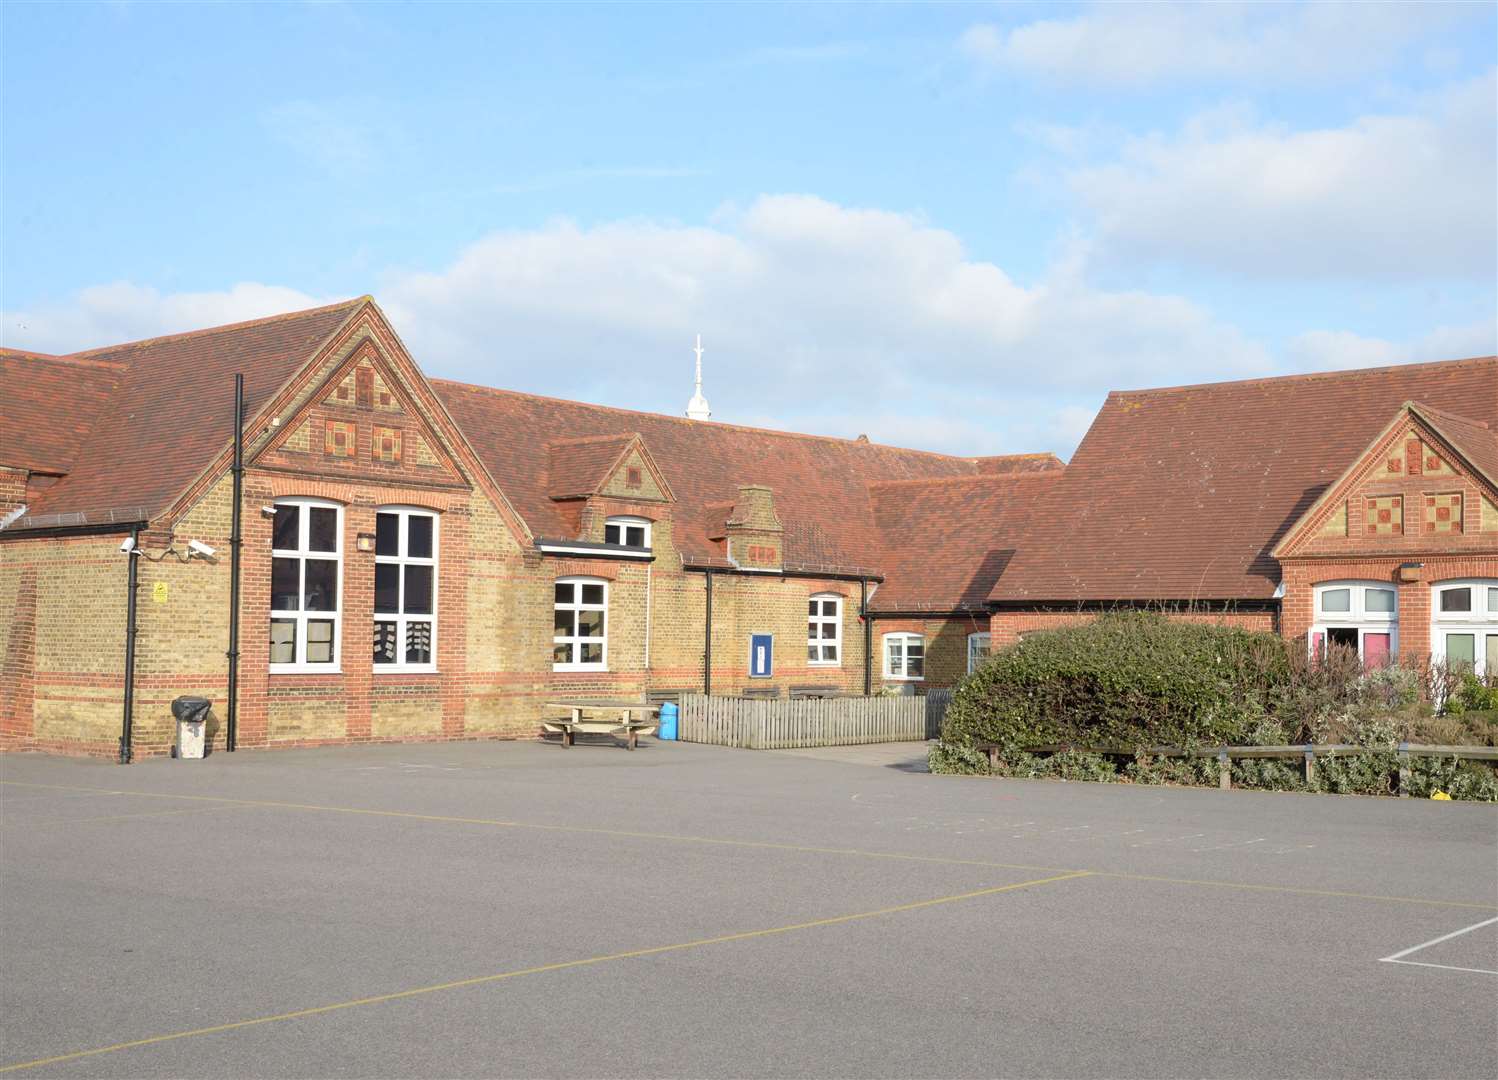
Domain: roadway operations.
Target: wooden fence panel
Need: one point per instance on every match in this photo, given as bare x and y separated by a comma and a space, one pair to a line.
790, 723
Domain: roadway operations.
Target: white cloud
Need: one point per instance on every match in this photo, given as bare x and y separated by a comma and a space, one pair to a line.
120, 312
815, 317
1386, 197
1126, 44
1326, 350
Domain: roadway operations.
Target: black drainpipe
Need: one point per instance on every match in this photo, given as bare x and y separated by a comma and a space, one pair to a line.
707, 652
868, 638
231, 725
129, 717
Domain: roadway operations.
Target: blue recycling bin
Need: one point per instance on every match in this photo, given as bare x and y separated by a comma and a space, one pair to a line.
667, 728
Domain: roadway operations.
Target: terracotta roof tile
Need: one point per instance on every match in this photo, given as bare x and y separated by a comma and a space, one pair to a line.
820, 484
1181, 493
1475, 440
171, 406
580, 467
946, 542
51, 403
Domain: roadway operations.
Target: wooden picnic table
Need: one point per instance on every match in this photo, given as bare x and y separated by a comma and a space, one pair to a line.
618, 719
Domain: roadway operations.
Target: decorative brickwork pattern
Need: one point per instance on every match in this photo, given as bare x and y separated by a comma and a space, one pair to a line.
387, 444
1384, 516
1443, 513
340, 438
1336, 525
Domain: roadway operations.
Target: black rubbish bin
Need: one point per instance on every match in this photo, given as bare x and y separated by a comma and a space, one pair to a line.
191, 714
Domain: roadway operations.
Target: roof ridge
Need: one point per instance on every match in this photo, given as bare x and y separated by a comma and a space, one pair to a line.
627, 436
1038, 474
1015, 457
1303, 376
84, 354
66, 358
702, 423
1446, 414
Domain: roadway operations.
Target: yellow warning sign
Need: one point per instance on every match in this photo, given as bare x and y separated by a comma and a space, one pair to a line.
159, 592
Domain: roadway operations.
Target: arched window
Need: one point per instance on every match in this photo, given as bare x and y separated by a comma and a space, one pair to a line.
1358, 615
979, 645
824, 630
306, 583
405, 589
1464, 624
580, 625
627, 531
904, 656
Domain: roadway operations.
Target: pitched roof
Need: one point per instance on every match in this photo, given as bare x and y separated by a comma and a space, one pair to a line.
945, 543
1181, 493
581, 467
170, 408
1473, 439
51, 403
820, 484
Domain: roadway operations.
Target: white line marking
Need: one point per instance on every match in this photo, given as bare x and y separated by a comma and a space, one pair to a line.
1394, 958
1444, 967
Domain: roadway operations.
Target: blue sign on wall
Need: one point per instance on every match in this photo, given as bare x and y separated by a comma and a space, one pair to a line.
761, 656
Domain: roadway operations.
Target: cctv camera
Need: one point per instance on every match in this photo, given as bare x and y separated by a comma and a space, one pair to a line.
128, 545
200, 549
268, 511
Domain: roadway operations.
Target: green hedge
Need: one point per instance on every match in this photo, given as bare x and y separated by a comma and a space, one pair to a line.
1130, 679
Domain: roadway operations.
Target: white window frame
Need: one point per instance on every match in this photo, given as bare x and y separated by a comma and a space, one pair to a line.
402, 560
625, 523
301, 617
577, 606
978, 639
903, 641
815, 622
1357, 616
1481, 622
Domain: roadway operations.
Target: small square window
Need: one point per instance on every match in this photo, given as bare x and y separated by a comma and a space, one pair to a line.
1336, 600
1456, 599
1379, 600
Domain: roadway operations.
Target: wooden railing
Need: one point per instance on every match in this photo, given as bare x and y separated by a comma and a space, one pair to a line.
1306, 752
788, 723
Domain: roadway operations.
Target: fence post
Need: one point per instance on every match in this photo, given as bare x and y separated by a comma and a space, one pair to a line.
1224, 770
1310, 764
1404, 771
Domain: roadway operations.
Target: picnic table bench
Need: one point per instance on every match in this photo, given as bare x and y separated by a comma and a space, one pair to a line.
618, 719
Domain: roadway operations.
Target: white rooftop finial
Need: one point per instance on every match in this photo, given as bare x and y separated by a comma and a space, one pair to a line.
697, 408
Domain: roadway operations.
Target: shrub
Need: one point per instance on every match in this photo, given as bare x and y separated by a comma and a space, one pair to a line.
1130, 679
1191, 772
1457, 778
959, 760
1357, 774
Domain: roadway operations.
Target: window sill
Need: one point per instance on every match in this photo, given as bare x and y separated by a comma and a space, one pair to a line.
904, 678
824, 663
391, 669
300, 670
579, 667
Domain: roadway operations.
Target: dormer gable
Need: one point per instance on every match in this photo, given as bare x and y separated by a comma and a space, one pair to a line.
1426, 482
616, 466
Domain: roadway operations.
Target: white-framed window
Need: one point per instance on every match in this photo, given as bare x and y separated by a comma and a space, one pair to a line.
979, 645
904, 656
1359, 615
306, 583
405, 589
627, 531
580, 625
1464, 624
824, 630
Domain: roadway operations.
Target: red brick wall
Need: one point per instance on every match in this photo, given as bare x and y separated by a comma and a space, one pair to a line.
1010, 626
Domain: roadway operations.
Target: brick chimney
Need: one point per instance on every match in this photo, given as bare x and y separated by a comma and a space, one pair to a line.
755, 534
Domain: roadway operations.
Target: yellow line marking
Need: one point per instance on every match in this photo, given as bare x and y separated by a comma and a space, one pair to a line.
117, 817
542, 969
772, 846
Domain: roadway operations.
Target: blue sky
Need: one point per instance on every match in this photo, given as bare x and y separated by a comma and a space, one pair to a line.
950, 226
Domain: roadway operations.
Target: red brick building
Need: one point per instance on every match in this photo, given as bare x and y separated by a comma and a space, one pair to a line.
1358, 507
424, 559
